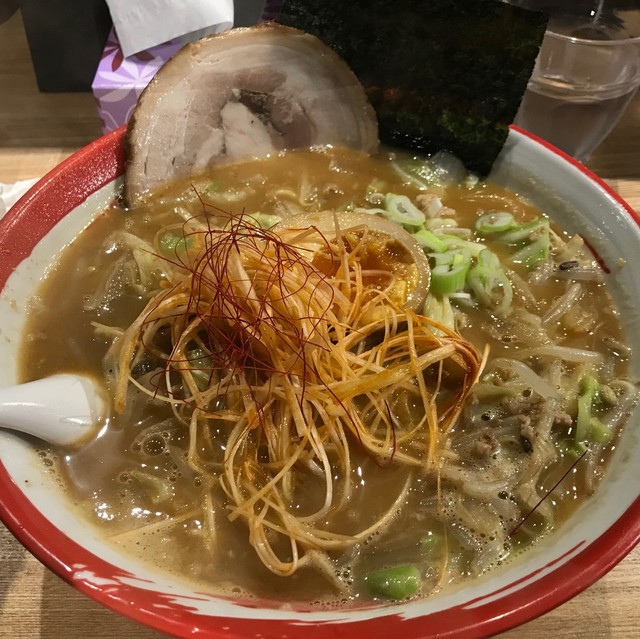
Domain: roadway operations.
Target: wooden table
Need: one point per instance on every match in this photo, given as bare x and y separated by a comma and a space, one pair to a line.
36, 132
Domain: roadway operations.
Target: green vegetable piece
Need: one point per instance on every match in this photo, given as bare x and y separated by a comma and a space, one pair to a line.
441, 242
200, 365
521, 233
429, 240
394, 583
589, 386
599, 432
172, 244
402, 210
264, 220
494, 222
489, 261
489, 283
586, 398
168, 243
533, 254
213, 188
450, 272
183, 244
453, 241
535, 236
439, 309
431, 544
572, 449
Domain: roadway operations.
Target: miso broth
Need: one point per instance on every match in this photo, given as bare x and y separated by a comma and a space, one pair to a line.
555, 359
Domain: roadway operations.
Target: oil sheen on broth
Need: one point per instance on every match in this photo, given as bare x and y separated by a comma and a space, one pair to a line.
556, 364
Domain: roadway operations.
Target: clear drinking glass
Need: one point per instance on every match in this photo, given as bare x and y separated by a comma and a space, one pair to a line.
587, 72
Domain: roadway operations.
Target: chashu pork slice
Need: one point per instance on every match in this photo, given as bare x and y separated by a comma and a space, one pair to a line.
243, 94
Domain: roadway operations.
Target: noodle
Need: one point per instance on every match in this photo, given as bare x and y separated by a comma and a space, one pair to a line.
272, 320
344, 374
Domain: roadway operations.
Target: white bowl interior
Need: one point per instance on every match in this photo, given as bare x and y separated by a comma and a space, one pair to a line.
577, 203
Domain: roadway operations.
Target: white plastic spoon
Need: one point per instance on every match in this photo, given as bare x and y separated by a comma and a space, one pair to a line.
61, 409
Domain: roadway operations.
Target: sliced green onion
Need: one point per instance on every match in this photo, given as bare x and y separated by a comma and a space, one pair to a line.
429, 240
533, 254
394, 583
454, 242
537, 251
494, 222
486, 277
449, 273
439, 309
522, 232
489, 260
440, 224
441, 242
400, 209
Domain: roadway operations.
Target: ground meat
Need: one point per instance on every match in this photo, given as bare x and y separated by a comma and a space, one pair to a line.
485, 444
563, 419
332, 189
527, 434
429, 203
521, 405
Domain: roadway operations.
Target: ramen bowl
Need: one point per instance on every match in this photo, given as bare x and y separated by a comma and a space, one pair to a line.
563, 563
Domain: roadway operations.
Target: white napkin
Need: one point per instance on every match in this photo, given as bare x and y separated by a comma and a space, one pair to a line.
144, 24
11, 193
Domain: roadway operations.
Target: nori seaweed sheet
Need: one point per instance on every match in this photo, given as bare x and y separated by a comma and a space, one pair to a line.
441, 74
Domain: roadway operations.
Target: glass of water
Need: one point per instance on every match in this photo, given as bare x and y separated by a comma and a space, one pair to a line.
587, 72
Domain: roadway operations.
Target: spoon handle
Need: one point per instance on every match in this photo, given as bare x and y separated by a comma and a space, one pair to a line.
61, 409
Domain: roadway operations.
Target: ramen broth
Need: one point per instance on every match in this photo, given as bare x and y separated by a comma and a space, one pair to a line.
134, 482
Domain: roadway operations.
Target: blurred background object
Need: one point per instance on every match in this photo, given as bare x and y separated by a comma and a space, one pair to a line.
7, 9
587, 72
66, 39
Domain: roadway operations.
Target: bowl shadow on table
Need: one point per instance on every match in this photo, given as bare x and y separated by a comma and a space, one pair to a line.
91, 620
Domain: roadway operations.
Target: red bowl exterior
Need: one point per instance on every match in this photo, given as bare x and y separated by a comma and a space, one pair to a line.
52, 198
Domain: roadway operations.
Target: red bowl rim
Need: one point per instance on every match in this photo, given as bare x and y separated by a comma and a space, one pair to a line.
67, 186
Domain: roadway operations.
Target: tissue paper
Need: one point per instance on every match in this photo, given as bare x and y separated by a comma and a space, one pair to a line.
142, 25
11, 193
119, 80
